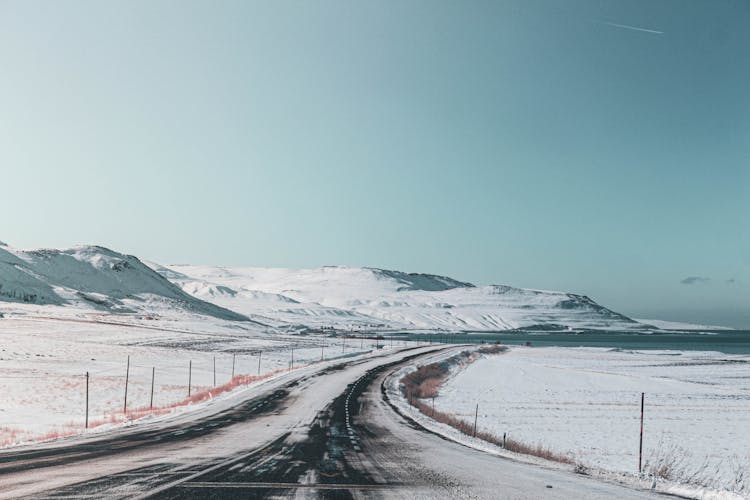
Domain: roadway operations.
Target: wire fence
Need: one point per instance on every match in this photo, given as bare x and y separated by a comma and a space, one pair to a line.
112, 393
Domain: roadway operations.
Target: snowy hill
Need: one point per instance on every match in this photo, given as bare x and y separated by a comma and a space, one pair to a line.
92, 277
355, 297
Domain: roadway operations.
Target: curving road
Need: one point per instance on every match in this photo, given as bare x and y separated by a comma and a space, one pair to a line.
326, 432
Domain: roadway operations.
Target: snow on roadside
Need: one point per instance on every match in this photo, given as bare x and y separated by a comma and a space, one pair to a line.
575, 401
43, 362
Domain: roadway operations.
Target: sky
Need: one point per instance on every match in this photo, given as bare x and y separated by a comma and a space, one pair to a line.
599, 147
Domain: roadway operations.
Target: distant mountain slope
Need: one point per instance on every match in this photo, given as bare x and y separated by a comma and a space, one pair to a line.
93, 277
353, 297
278, 305
96, 278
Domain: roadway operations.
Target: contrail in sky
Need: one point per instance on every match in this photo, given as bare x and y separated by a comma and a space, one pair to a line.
634, 28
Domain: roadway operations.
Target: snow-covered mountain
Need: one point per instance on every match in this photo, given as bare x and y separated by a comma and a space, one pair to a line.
360, 297
92, 277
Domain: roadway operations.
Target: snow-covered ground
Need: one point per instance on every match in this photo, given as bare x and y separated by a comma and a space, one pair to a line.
86, 309
585, 402
43, 362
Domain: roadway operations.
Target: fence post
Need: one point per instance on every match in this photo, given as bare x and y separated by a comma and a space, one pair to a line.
234, 360
640, 445
260, 353
476, 415
151, 401
190, 376
291, 365
87, 400
127, 377
321, 353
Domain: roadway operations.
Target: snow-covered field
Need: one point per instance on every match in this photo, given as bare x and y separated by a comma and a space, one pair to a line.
585, 402
43, 362
67, 312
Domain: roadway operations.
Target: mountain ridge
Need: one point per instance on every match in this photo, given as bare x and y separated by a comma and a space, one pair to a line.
96, 278
347, 297
93, 277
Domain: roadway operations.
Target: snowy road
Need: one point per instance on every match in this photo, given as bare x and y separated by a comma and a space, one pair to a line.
327, 434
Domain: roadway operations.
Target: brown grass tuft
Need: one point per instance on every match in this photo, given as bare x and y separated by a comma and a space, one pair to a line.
425, 382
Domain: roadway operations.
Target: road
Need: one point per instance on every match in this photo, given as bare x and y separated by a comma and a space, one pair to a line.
326, 433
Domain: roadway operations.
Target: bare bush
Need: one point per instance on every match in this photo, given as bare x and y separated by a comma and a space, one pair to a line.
581, 469
493, 349
667, 461
740, 468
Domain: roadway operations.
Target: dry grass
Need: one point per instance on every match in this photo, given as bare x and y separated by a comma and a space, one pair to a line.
425, 382
672, 462
667, 462
12, 436
467, 428
492, 349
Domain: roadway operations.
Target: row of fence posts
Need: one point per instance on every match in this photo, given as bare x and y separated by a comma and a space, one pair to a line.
153, 378
410, 398
234, 362
190, 376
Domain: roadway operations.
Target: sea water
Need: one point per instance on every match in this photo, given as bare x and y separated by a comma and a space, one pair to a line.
726, 341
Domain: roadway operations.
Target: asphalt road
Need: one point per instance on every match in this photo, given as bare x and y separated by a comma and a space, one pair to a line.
326, 433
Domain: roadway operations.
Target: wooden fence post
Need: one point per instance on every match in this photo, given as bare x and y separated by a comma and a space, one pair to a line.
151, 401
476, 415
87, 400
127, 377
640, 445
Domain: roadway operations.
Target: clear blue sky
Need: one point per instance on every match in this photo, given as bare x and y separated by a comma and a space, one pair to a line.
601, 147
